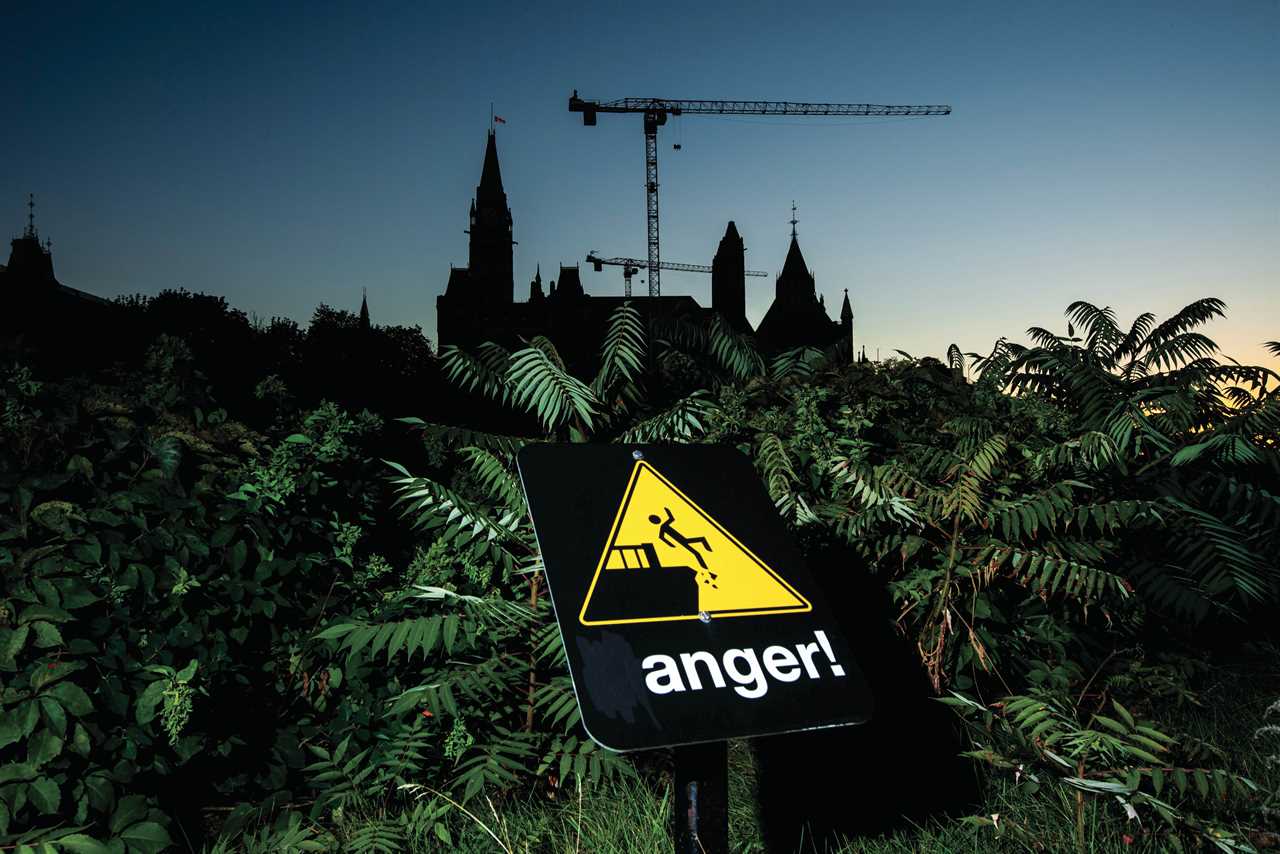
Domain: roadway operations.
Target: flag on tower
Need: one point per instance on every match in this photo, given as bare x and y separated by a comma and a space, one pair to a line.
500, 120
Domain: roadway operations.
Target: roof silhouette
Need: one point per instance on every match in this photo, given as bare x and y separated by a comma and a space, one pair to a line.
794, 267
797, 316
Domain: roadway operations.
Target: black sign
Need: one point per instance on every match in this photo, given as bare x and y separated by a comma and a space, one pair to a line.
686, 612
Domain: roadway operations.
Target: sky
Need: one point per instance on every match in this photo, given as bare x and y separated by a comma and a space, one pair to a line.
285, 155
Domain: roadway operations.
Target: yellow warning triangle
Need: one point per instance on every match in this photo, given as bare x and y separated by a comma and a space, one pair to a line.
667, 559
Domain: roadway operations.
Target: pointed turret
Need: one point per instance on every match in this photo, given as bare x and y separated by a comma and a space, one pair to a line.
795, 282
490, 188
794, 270
846, 326
535, 287
728, 279
364, 311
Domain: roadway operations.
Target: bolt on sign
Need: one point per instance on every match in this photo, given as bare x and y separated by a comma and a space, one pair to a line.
686, 611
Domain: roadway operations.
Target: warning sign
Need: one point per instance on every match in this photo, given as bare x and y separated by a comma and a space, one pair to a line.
686, 610
667, 559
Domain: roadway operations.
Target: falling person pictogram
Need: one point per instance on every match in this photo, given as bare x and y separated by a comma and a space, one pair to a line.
689, 566
667, 529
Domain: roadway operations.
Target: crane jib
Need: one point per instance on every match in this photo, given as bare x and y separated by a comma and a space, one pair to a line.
656, 110
774, 108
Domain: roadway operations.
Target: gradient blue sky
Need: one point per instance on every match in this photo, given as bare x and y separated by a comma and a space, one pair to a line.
285, 155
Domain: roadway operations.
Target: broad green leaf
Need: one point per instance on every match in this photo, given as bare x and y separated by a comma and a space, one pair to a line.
50, 673
101, 792
54, 715
11, 643
78, 843
145, 708
10, 730
72, 697
80, 740
47, 634
17, 772
1112, 724
131, 809
336, 631
45, 795
74, 593
147, 837
43, 746
43, 612
26, 717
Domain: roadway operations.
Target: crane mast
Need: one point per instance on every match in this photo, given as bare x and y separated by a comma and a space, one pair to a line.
656, 110
631, 266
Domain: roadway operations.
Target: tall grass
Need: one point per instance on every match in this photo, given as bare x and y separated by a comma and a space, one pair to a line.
632, 815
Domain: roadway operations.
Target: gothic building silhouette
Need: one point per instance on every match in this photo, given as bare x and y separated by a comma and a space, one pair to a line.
479, 304
30, 293
798, 316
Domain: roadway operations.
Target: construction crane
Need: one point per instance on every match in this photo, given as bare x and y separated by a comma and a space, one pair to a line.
631, 266
656, 110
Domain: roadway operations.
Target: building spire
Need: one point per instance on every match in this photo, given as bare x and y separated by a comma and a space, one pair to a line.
793, 219
490, 269
490, 189
31, 215
364, 309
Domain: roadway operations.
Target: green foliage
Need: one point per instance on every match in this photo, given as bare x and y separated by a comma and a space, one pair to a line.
153, 572
1041, 516
1048, 741
1072, 495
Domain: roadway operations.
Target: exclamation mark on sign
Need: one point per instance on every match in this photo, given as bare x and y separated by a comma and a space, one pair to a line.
837, 669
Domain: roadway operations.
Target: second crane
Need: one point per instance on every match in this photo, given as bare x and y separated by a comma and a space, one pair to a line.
631, 266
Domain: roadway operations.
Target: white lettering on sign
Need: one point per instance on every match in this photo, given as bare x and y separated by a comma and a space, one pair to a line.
664, 675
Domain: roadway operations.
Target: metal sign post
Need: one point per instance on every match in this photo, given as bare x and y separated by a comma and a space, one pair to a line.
700, 811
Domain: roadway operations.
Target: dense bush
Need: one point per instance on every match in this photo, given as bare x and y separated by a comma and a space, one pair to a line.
164, 569
195, 614
1044, 529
